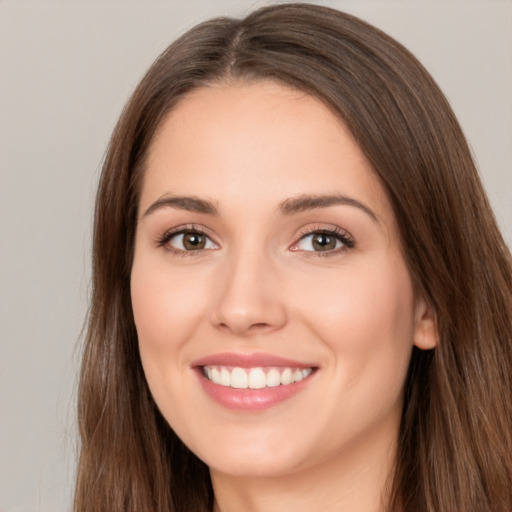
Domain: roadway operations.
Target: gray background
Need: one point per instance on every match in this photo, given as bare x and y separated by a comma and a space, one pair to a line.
66, 69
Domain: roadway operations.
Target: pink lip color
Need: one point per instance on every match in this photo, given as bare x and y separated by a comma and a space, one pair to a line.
249, 399
248, 361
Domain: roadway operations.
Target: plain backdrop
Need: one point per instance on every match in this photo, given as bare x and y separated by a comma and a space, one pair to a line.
66, 69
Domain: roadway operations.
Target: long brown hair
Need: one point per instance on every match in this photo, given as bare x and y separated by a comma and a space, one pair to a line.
455, 449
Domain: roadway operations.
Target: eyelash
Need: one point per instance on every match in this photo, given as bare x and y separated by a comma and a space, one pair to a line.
164, 240
347, 241
342, 236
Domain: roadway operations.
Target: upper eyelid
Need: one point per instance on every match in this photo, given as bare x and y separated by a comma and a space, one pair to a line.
186, 228
323, 228
179, 230
348, 240
303, 232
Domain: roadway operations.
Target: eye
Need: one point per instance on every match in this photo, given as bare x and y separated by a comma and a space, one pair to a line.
187, 240
324, 240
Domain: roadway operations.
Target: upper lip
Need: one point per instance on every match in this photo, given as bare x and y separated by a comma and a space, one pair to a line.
243, 360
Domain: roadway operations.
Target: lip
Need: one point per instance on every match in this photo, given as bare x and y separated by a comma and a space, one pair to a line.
250, 399
249, 361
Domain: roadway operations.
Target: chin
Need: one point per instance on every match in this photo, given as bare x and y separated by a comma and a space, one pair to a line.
256, 455
266, 466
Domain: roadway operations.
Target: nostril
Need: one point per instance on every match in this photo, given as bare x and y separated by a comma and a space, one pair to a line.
244, 314
247, 329
259, 326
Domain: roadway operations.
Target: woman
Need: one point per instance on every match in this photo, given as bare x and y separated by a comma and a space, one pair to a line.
301, 299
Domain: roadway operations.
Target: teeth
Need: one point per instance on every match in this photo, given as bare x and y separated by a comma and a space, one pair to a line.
225, 377
239, 379
286, 377
257, 379
297, 376
273, 378
215, 376
254, 378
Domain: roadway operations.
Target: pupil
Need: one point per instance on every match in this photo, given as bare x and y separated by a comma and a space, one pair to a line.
194, 241
323, 242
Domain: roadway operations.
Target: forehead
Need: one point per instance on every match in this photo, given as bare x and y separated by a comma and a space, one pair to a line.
224, 140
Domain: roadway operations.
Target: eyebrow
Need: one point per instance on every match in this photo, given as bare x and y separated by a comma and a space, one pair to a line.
191, 204
310, 202
288, 207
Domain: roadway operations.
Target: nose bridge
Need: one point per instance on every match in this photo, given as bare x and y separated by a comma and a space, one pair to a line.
248, 297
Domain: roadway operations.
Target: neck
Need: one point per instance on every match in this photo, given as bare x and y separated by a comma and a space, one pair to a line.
357, 480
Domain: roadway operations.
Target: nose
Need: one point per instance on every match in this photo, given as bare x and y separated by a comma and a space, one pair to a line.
249, 299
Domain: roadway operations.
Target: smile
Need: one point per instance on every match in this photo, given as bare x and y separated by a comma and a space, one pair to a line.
253, 382
254, 378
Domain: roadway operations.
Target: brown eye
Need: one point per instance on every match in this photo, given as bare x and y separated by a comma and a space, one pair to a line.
326, 241
323, 242
194, 241
190, 241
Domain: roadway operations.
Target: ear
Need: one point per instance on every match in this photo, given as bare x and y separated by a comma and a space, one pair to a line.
426, 335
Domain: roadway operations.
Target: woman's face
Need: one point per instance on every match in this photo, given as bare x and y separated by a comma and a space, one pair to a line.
274, 310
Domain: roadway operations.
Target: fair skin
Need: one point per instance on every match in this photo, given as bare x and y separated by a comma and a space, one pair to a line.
254, 270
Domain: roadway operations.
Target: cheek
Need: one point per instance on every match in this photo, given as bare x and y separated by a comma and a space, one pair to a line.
166, 308
365, 318
378, 298
166, 311
366, 323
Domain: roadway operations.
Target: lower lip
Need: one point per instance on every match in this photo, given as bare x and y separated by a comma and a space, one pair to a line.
251, 399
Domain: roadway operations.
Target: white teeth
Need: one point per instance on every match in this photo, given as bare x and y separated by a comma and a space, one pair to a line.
297, 376
286, 377
254, 378
257, 378
225, 377
273, 378
239, 379
215, 376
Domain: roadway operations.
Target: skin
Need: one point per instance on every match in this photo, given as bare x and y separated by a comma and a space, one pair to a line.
259, 285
